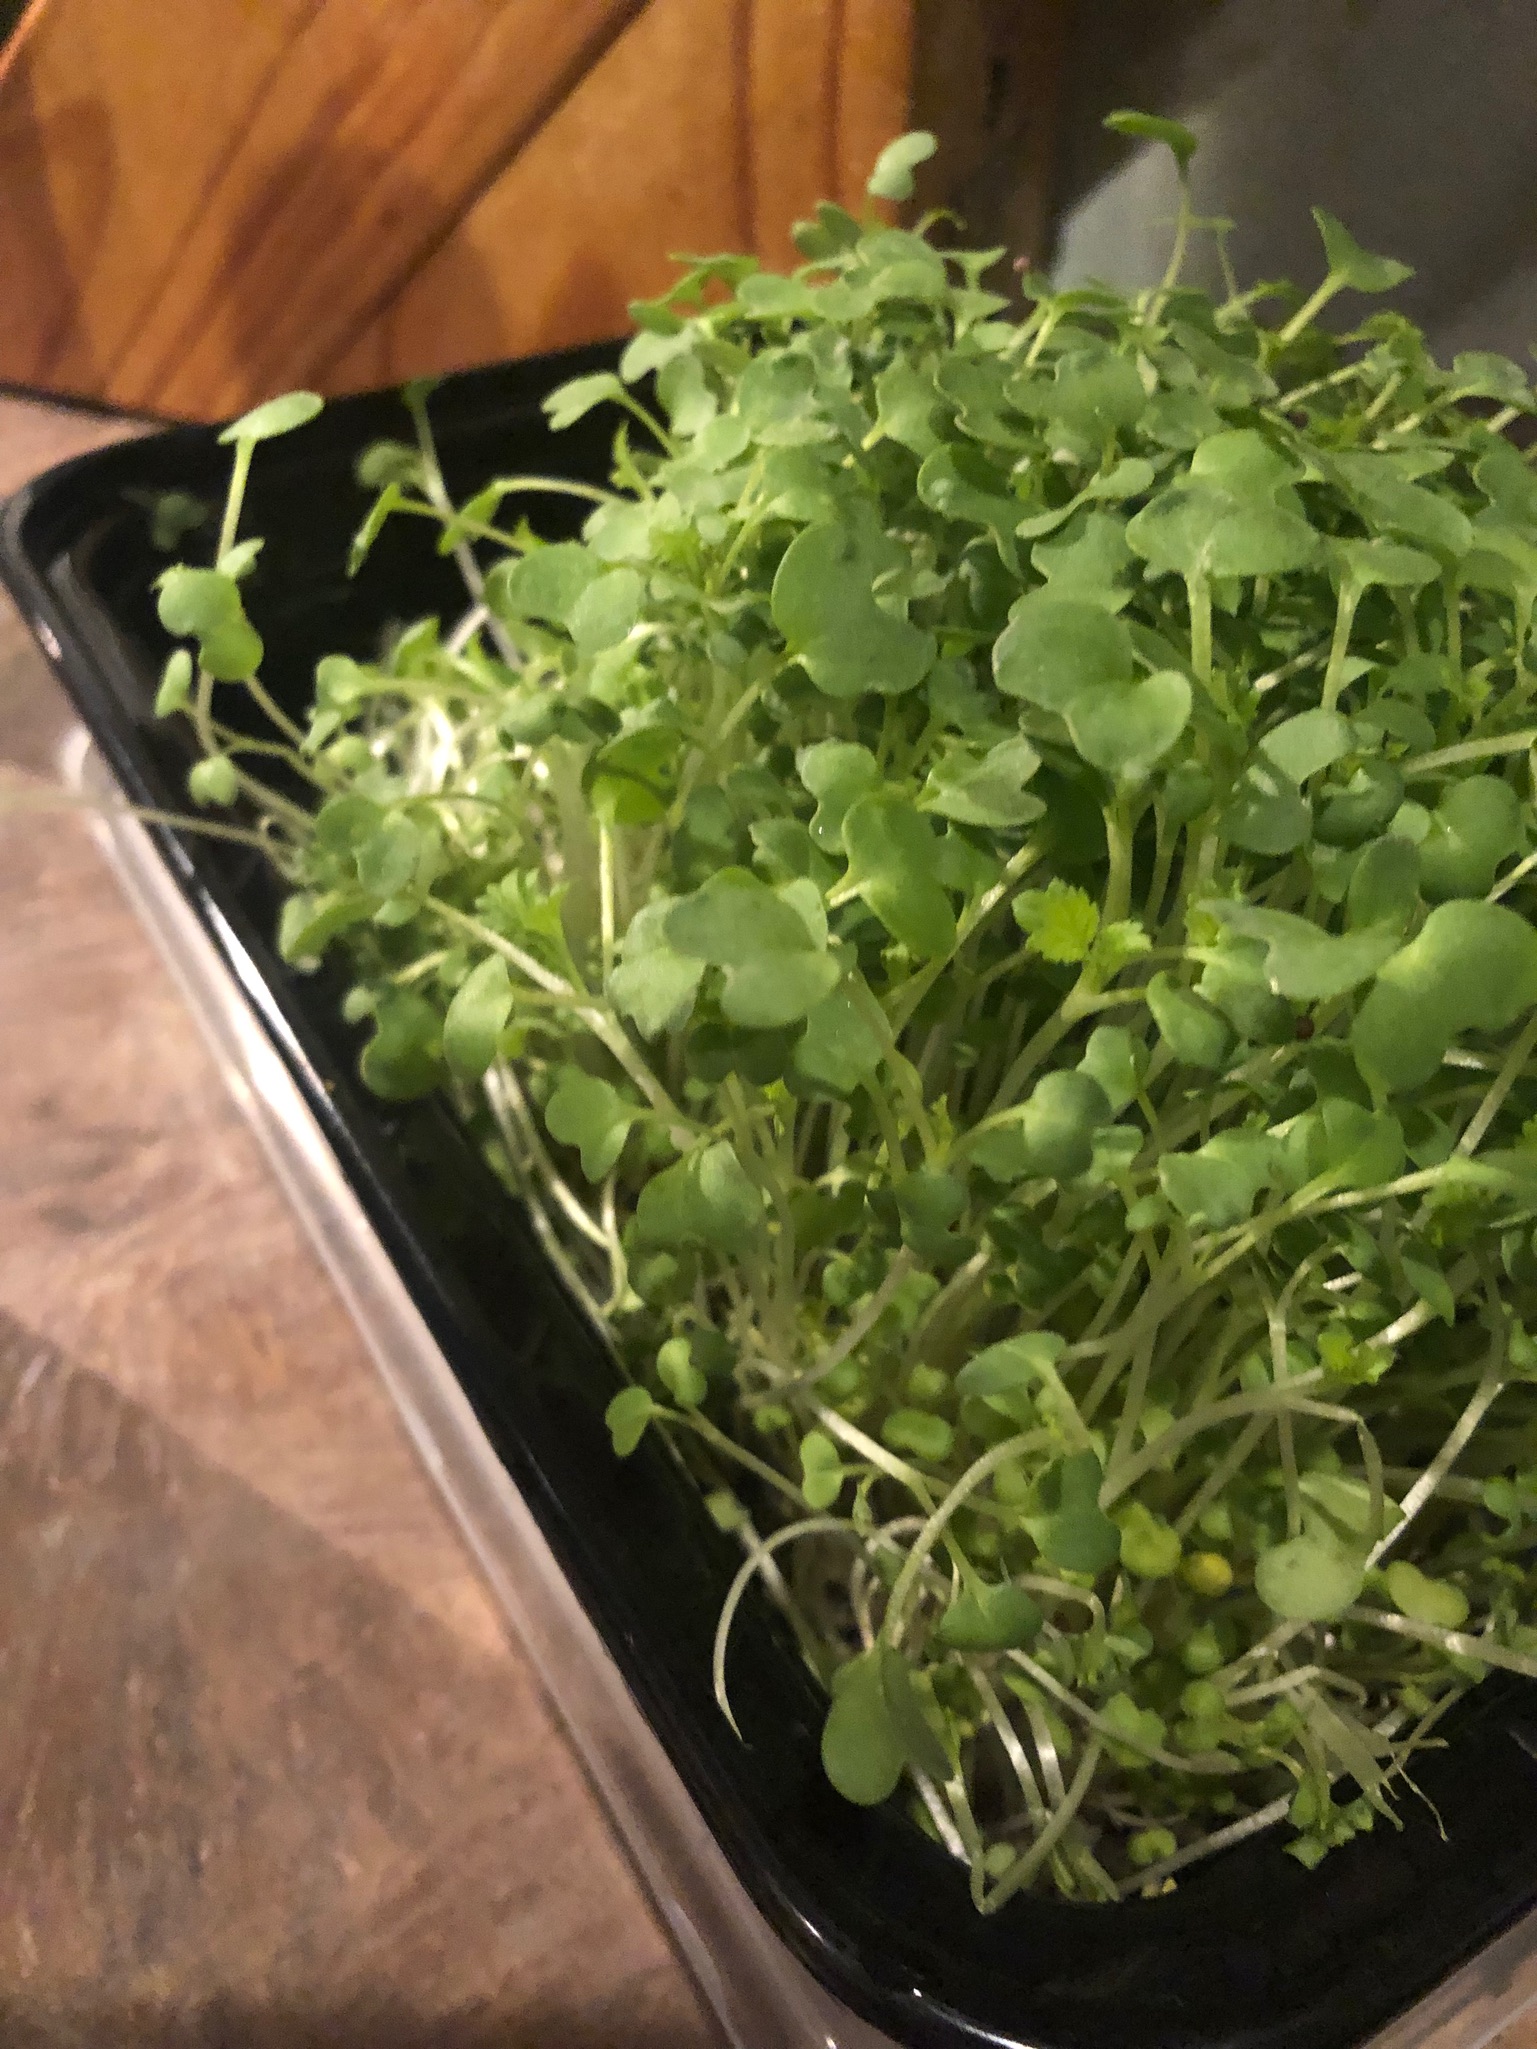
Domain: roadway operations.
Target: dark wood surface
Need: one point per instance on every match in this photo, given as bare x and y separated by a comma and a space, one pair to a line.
270, 1775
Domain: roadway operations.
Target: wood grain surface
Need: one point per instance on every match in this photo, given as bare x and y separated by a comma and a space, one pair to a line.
270, 1775
213, 206
204, 201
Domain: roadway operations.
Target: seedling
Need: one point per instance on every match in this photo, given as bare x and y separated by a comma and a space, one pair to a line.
985, 904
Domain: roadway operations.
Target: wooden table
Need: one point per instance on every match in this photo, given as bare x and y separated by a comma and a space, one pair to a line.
270, 1774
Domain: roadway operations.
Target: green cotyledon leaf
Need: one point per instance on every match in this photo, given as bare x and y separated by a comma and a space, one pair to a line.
1055, 650
1126, 728
589, 1113
862, 1753
1471, 967
776, 970
1302, 960
824, 607
1216, 1185
705, 1199
481, 1006
893, 854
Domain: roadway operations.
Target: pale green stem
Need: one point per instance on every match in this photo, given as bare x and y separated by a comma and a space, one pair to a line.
1310, 309
1339, 648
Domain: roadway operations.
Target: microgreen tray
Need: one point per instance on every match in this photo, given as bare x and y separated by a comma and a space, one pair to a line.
805, 1920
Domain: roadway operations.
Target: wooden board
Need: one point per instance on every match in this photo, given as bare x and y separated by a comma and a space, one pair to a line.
646, 157
208, 199
203, 201
710, 124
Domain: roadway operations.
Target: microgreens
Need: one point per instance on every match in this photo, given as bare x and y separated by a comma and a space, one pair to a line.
985, 905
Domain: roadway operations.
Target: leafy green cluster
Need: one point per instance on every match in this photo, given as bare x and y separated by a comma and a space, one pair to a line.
985, 903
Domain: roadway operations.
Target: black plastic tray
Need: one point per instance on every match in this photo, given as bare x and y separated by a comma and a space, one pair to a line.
1251, 1952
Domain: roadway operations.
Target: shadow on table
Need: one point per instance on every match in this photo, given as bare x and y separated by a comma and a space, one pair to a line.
238, 2024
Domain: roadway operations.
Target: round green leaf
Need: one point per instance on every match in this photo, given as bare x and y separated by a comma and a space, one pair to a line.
1352, 264
1309, 1579
1059, 1120
778, 989
1302, 746
1436, 1601
277, 416
1155, 128
606, 610
1194, 1033
990, 791
1054, 650
1369, 801
1150, 1547
1125, 728
824, 605
892, 858
481, 1006
1115, 1060
733, 919
206, 605
1267, 815
1216, 1185
822, 1471
990, 1618
892, 177
1475, 825
677, 1372
587, 1112
1303, 962
921, 1746
1196, 529
1384, 884
1471, 967
543, 584
213, 780
402, 1059
836, 772
838, 1049
627, 1416
1361, 564
916, 1431
175, 684
1080, 1537
1012, 1367
573, 400
861, 1752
